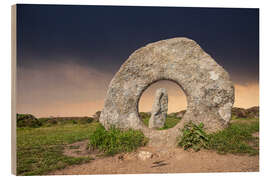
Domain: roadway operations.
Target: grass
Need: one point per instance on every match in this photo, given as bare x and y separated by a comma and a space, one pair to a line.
145, 120
115, 140
236, 139
39, 150
171, 121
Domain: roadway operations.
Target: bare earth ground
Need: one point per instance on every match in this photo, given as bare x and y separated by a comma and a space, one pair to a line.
163, 160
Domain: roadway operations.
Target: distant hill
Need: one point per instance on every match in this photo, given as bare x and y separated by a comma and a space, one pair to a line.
237, 112
28, 120
252, 112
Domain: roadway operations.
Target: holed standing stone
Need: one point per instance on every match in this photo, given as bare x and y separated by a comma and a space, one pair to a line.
207, 86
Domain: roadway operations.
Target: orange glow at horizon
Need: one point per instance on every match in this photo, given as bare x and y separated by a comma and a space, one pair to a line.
72, 90
245, 97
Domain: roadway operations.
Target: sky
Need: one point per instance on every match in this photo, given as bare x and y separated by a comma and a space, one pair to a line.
67, 55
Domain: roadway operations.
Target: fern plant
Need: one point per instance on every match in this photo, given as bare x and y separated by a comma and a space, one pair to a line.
194, 137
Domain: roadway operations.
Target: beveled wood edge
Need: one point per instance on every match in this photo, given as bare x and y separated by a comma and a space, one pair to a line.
13, 86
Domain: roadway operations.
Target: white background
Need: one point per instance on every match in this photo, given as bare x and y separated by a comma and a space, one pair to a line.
5, 85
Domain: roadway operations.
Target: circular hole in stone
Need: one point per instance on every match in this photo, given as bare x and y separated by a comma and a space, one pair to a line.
177, 103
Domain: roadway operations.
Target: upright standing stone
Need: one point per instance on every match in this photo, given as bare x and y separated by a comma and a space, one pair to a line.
159, 109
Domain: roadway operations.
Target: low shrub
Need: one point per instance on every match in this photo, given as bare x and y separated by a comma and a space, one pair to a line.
85, 120
74, 122
194, 137
116, 140
27, 120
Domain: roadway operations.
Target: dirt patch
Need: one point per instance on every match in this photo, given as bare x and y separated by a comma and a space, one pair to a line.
164, 160
80, 149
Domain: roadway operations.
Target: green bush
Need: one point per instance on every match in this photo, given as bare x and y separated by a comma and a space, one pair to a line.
194, 137
89, 120
27, 120
116, 140
85, 120
74, 122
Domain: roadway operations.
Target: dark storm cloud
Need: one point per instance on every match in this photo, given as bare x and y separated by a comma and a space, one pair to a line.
67, 55
103, 37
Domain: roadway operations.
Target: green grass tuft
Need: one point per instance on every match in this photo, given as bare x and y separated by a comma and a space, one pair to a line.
236, 139
115, 140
